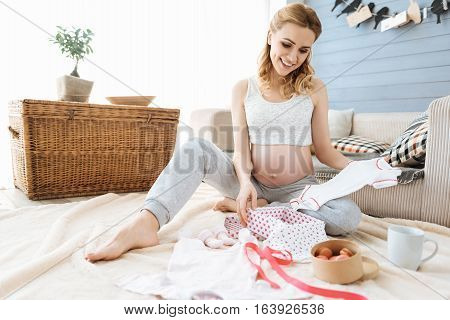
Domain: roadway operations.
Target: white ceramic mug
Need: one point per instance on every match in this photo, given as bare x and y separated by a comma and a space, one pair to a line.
405, 245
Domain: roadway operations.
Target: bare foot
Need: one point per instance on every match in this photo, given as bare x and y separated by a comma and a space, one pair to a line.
229, 205
139, 233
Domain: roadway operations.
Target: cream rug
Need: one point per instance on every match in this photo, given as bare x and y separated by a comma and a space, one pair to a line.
42, 250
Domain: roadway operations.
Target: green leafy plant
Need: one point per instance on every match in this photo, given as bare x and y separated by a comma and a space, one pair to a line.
74, 43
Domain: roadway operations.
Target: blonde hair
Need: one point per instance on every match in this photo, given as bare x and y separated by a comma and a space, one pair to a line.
300, 80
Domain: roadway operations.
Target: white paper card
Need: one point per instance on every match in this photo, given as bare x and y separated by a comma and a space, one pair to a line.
395, 21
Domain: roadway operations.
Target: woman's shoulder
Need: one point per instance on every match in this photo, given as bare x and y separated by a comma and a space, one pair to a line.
317, 84
241, 84
238, 95
317, 89
240, 87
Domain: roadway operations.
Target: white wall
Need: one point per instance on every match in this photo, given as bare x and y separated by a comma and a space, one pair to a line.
188, 53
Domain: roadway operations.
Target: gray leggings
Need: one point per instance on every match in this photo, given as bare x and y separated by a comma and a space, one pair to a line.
199, 160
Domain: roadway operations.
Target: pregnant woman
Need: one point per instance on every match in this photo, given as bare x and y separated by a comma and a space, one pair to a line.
277, 114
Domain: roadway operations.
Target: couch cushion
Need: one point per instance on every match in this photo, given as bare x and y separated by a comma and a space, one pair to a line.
215, 125
325, 173
382, 126
340, 123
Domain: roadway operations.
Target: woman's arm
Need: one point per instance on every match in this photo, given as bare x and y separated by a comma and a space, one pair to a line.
241, 157
319, 126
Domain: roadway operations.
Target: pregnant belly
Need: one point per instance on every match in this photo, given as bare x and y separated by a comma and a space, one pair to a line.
277, 165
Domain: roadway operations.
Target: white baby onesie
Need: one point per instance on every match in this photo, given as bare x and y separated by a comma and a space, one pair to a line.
194, 268
375, 172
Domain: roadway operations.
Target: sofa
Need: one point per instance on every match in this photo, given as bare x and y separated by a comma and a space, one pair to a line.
421, 194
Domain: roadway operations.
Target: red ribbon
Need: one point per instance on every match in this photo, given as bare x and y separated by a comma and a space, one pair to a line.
270, 255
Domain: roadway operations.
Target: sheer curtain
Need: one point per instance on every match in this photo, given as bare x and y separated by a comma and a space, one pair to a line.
188, 53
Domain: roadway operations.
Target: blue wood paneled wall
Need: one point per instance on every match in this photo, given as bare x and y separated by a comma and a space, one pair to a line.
401, 69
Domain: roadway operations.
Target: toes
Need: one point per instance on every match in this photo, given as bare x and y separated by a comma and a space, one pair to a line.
102, 256
218, 206
106, 253
92, 257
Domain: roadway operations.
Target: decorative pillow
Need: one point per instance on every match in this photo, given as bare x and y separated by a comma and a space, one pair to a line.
409, 149
340, 123
358, 144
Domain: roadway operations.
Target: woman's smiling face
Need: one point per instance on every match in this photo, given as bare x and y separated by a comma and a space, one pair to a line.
289, 47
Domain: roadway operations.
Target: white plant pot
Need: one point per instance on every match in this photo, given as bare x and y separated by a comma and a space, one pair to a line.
71, 88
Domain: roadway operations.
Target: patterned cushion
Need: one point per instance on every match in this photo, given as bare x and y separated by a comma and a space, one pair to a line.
409, 149
358, 144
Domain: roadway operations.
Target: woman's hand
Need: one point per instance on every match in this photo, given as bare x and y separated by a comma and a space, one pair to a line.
247, 197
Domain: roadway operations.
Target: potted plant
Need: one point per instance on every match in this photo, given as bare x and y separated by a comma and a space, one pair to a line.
75, 45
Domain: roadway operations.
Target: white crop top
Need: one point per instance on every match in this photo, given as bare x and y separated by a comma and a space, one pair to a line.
287, 122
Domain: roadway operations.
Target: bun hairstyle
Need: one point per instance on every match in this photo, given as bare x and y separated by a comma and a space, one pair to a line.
298, 81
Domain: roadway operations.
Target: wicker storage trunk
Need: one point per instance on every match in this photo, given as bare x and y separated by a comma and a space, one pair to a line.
68, 149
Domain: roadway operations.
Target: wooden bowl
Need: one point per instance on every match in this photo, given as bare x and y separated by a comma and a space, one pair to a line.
131, 100
357, 267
